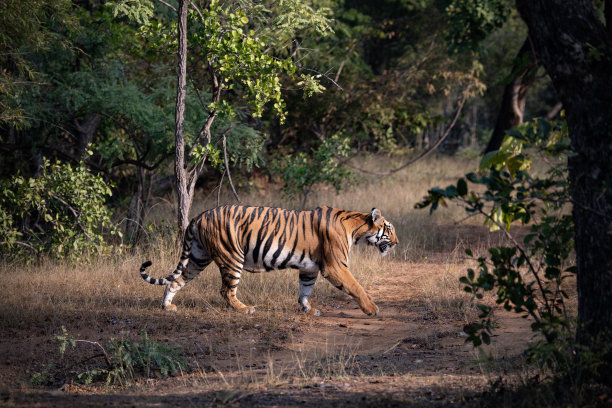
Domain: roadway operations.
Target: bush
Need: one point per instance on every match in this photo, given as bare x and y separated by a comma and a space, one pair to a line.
127, 360
301, 172
61, 212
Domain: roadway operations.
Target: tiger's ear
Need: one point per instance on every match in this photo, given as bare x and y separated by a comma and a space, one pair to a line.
377, 217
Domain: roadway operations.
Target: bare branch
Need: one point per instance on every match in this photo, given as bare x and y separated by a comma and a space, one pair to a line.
422, 155
325, 76
75, 214
167, 5
219, 189
196, 9
227, 170
95, 343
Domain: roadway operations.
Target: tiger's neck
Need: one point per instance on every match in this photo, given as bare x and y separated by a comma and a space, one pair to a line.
356, 225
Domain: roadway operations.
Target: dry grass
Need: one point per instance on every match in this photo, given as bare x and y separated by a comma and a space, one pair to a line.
106, 297
108, 288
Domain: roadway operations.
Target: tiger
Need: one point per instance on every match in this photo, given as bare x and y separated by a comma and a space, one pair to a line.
258, 239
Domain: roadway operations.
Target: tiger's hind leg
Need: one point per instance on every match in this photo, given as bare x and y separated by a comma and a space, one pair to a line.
193, 261
307, 281
230, 278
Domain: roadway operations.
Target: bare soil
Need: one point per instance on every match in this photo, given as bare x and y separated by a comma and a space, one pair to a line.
409, 355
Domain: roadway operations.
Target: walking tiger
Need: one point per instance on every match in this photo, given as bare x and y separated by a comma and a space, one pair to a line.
258, 239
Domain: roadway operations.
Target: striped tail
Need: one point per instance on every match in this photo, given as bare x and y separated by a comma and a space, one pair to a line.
189, 235
160, 281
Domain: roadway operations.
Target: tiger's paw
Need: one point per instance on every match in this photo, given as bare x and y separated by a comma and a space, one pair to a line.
245, 309
314, 312
311, 311
371, 310
170, 307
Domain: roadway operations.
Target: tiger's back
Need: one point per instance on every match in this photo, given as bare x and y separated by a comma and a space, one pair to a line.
258, 239
268, 238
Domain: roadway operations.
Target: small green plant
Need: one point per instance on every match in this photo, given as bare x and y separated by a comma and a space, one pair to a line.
127, 360
43, 377
61, 212
301, 172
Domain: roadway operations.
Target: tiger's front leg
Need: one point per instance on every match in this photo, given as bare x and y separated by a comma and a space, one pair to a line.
343, 279
230, 278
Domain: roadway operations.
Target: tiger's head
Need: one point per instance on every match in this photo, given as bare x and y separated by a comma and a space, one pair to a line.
381, 233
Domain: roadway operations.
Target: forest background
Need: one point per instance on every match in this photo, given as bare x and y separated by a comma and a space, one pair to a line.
110, 108
93, 85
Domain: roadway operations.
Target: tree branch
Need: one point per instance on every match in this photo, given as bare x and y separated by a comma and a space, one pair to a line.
227, 170
167, 5
422, 155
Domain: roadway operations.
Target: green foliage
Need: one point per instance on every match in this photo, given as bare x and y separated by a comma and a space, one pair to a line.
126, 360
240, 58
26, 26
472, 21
300, 172
44, 377
140, 11
62, 212
527, 278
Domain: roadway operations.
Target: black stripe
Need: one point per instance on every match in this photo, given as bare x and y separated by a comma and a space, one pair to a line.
283, 264
260, 234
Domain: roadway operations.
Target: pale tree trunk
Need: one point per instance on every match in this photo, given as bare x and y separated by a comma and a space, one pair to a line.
86, 130
186, 174
183, 190
137, 208
576, 50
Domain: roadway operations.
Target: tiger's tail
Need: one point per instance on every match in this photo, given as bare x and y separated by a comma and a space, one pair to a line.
179, 269
160, 281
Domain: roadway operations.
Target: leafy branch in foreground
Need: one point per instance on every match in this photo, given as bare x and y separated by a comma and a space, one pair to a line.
125, 360
527, 277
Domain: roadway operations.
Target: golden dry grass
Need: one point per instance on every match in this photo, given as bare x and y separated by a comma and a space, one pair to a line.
106, 296
108, 286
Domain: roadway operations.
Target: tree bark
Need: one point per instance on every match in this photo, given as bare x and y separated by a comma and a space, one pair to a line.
515, 95
86, 130
183, 192
137, 208
576, 50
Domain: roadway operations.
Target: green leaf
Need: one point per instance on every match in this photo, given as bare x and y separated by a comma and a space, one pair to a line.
462, 188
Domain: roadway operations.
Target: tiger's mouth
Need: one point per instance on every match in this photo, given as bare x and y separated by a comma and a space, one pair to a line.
384, 247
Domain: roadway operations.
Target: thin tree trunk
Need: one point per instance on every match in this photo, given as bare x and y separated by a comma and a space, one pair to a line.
180, 171
576, 50
515, 95
86, 131
137, 208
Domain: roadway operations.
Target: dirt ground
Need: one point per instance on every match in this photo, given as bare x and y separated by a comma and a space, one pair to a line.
409, 355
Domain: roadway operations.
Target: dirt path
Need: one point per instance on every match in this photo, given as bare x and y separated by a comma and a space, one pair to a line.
411, 354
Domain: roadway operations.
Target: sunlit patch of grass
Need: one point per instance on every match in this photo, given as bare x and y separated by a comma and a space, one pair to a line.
108, 292
107, 288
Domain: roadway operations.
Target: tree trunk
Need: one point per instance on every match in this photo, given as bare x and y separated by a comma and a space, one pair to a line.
86, 130
138, 205
180, 170
515, 95
574, 47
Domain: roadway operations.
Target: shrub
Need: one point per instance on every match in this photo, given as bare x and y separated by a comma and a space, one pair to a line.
301, 172
527, 277
61, 212
127, 360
